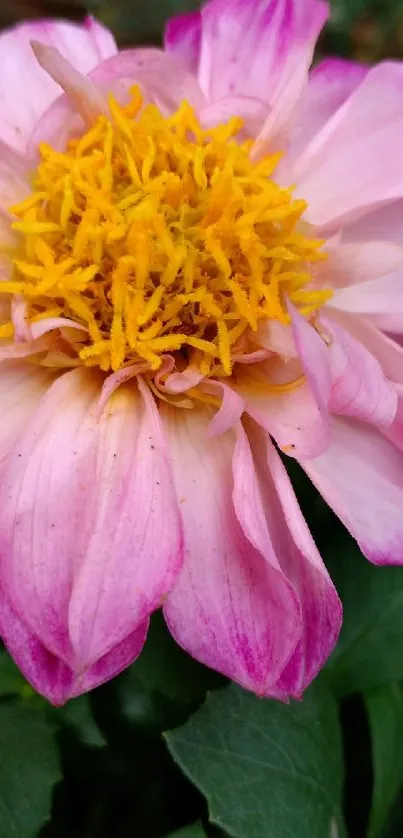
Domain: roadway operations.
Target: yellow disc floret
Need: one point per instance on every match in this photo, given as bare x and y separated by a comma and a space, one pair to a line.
161, 237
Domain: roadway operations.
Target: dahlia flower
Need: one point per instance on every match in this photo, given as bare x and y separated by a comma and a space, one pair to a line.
201, 268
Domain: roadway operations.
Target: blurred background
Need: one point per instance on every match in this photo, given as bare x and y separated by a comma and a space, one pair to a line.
366, 30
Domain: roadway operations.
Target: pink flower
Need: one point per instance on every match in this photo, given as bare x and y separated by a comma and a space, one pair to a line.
169, 308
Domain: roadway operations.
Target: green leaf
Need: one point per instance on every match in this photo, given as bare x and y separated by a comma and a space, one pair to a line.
11, 680
28, 770
267, 770
77, 714
385, 714
369, 652
194, 831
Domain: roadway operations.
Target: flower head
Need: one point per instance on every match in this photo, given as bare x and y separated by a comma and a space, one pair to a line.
189, 274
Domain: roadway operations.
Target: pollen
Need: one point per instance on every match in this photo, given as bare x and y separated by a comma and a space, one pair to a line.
159, 236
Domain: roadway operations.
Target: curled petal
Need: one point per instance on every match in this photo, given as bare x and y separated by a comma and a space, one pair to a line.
230, 411
359, 387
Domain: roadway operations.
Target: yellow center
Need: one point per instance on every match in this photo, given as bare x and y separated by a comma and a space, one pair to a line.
161, 237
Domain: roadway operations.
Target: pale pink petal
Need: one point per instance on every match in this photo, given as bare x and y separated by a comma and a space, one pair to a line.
183, 39
353, 263
231, 607
49, 324
135, 547
14, 185
22, 386
252, 111
19, 317
292, 416
23, 349
277, 338
330, 84
299, 560
25, 90
383, 348
379, 295
361, 477
81, 92
160, 75
381, 224
179, 382
342, 172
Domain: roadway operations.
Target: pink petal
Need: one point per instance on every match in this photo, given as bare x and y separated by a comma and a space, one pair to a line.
273, 39
45, 515
183, 37
77, 523
232, 608
47, 673
342, 173
344, 377
299, 560
135, 547
361, 477
26, 92
394, 432
330, 84
383, 348
296, 39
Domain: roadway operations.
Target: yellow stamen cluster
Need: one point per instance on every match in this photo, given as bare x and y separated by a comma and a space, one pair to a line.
159, 237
